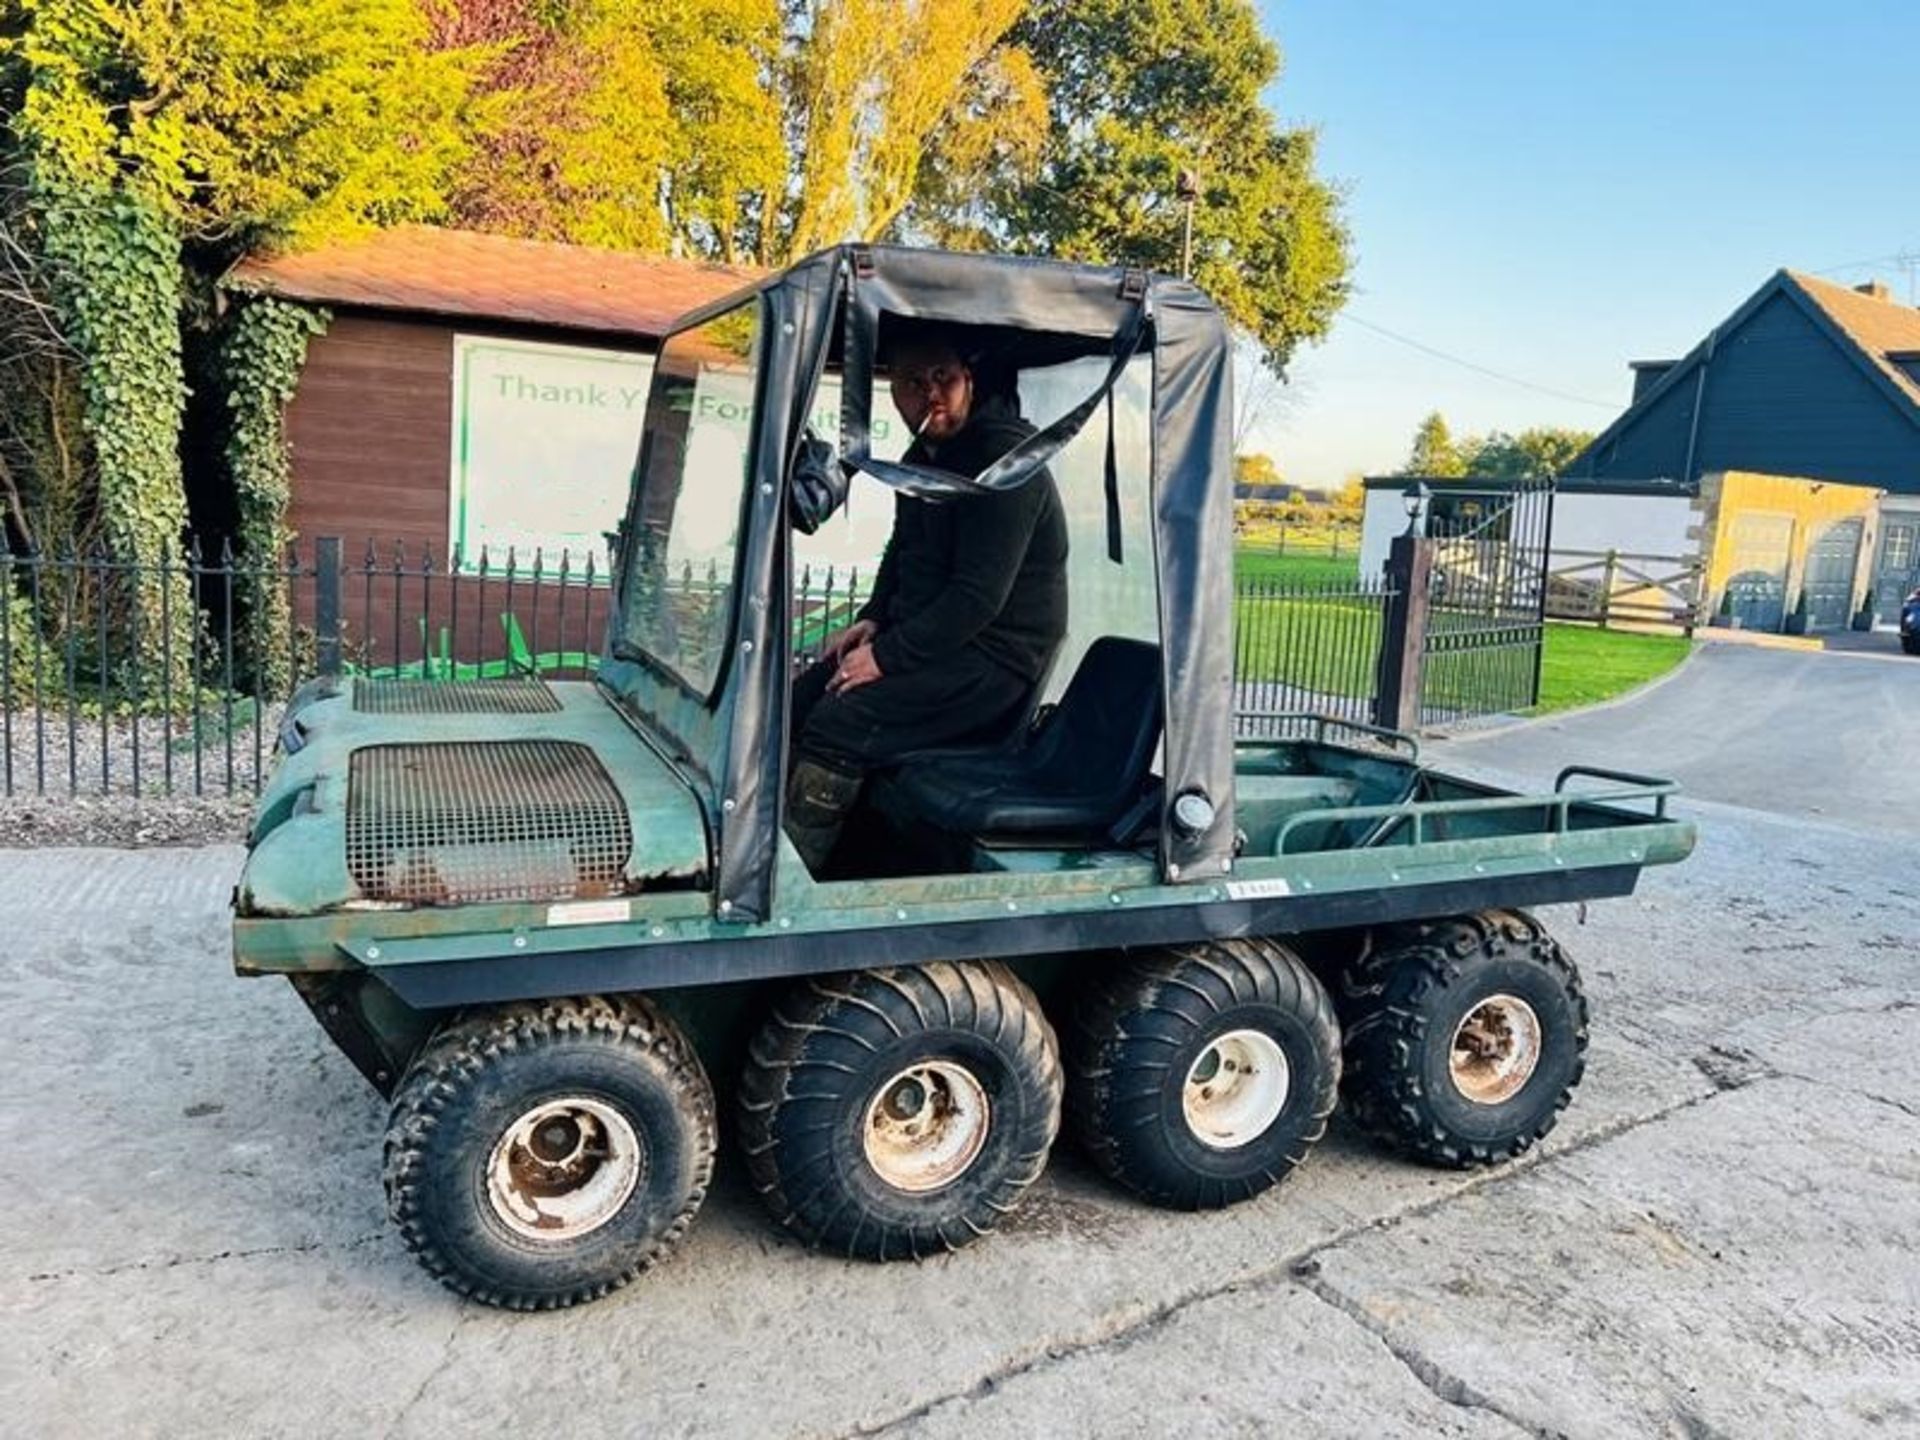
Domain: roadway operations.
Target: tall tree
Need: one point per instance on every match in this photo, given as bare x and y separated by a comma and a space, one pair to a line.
1434, 452
1138, 92
142, 135
733, 129
1258, 470
652, 127
1544, 450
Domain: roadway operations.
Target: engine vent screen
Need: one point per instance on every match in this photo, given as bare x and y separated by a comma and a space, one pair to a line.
512, 820
464, 697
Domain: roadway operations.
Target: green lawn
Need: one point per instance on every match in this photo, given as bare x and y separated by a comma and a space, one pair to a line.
1583, 666
1327, 643
1297, 566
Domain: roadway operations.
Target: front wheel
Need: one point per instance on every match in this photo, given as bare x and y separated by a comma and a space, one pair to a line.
1910, 644
1465, 1037
1202, 1075
542, 1155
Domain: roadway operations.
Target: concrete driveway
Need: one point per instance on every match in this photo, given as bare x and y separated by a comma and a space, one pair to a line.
1828, 734
1723, 1237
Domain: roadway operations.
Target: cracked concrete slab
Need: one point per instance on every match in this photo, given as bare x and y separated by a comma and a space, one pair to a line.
1257, 1361
1749, 1266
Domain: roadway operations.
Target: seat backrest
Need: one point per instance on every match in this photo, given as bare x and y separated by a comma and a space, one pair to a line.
1102, 734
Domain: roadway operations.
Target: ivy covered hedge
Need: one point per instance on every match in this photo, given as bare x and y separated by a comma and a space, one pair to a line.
259, 368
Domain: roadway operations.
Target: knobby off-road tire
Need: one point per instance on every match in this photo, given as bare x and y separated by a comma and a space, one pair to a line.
540, 1155
891, 1114
1465, 1037
1200, 1076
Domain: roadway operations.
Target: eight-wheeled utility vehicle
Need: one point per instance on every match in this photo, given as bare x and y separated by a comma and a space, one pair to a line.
538, 916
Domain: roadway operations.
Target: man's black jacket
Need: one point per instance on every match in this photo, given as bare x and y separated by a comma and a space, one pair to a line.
986, 572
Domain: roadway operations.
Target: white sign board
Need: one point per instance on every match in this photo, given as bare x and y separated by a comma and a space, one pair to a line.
544, 442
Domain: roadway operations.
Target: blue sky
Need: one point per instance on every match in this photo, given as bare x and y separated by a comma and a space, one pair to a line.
1552, 189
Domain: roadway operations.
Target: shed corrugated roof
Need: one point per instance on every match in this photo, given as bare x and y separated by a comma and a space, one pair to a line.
1880, 327
425, 270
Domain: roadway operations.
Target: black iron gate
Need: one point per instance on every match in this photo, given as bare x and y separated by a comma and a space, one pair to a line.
1487, 594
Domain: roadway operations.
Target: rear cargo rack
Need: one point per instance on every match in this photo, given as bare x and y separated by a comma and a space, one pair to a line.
1556, 808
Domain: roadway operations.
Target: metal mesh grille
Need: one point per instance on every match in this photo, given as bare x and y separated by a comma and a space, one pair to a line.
513, 820
466, 697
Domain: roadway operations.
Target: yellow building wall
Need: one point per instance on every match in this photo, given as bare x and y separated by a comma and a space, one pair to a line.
1812, 505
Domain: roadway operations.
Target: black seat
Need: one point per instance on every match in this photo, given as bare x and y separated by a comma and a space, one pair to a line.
1080, 774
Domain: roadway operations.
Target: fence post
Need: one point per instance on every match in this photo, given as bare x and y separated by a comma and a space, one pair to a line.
1606, 586
326, 603
1403, 638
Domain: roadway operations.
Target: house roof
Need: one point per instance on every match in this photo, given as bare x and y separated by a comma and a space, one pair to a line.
424, 270
1881, 327
1869, 329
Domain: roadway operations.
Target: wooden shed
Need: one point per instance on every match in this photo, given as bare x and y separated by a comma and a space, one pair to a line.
473, 399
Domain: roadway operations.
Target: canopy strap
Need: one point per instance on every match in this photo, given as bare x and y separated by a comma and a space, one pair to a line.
1018, 465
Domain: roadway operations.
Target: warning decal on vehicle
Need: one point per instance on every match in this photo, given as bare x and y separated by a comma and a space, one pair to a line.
1258, 889
590, 912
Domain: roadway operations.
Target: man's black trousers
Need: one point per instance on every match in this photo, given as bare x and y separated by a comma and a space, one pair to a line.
962, 698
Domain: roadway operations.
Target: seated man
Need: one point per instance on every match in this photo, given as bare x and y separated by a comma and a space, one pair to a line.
968, 607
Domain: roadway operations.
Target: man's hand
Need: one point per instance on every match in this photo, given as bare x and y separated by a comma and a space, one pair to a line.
855, 635
857, 668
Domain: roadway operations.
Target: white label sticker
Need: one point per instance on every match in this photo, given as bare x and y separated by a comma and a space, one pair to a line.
591, 912
1258, 889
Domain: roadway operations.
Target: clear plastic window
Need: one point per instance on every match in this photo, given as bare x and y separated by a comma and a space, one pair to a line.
684, 536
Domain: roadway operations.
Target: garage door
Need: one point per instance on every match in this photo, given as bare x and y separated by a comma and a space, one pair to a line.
1757, 583
1831, 565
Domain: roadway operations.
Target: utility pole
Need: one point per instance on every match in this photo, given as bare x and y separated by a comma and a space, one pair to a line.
1909, 261
1189, 193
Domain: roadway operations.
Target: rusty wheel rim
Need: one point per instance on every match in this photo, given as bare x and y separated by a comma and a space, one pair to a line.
926, 1126
563, 1169
1495, 1050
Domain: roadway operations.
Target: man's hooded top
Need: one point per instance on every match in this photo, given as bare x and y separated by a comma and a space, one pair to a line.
983, 571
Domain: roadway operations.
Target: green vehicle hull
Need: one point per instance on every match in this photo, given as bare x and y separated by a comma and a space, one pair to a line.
1435, 845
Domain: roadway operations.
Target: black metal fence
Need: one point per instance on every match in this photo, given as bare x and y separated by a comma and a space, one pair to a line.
168, 678
1307, 646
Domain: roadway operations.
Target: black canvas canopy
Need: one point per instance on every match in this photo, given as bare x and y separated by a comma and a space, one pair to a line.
829, 308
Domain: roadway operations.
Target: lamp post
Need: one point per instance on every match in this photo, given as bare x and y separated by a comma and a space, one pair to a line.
1189, 193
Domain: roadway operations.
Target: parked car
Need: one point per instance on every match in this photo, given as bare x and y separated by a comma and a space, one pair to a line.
1910, 624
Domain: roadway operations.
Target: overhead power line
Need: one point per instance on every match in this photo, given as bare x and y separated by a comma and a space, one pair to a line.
1892, 257
1478, 368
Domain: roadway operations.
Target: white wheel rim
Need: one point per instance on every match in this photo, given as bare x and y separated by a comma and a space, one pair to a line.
1236, 1088
1495, 1050
563, 1169
926, 1126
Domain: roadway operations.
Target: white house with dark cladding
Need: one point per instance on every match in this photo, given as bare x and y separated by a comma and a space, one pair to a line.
1806, 379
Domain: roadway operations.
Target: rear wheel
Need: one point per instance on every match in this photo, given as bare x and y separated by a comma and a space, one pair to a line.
891, 1114
1201, 1076
541, 1155
1465, 1037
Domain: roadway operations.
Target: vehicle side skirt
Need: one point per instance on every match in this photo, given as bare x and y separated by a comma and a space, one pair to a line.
441, 984
367, 1024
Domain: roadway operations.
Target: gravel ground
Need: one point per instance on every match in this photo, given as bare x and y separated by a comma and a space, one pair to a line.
50, 796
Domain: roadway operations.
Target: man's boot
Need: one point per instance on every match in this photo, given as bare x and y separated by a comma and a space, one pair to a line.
818, 801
